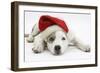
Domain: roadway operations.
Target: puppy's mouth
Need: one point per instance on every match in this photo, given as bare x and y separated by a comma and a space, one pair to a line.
57, 53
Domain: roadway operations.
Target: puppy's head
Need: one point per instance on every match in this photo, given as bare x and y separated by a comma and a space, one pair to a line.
57, 42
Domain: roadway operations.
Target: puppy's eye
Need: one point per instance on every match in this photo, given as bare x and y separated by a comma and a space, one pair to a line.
51, 39
63, 38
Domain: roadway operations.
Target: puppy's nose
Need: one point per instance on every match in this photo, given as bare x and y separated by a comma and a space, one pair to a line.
57, 48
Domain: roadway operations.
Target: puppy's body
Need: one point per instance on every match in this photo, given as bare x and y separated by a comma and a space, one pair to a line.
59, 43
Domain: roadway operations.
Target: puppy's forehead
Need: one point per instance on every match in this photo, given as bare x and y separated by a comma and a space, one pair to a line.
60, 33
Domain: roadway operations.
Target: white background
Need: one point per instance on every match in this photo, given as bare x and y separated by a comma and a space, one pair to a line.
5, 38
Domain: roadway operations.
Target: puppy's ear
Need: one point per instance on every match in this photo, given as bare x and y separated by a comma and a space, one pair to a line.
46, 39
45, 45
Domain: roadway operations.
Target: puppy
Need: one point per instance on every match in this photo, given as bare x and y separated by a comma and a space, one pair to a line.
56, 40
55, 33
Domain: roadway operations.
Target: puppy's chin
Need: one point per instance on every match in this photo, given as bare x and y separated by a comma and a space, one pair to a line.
57, 54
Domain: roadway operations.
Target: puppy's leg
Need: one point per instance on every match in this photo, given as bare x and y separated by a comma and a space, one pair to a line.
38, 44
35, 31
78, 43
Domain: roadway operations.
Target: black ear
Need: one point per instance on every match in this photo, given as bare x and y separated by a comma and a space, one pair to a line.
45, 45
45, 40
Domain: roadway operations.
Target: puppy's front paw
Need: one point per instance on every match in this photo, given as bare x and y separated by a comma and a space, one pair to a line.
38, 45
87, 49
37, 49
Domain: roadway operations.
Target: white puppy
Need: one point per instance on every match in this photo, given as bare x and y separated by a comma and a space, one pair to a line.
56, 40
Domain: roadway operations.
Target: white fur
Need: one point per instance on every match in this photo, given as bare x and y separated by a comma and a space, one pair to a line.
77, 42
35, 31
40, 37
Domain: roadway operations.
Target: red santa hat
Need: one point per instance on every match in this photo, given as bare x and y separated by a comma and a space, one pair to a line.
45, 21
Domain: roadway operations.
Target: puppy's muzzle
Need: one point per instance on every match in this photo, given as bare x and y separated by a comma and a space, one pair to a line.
57, 50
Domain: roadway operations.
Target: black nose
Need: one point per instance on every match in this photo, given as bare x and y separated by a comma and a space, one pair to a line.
57, 48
